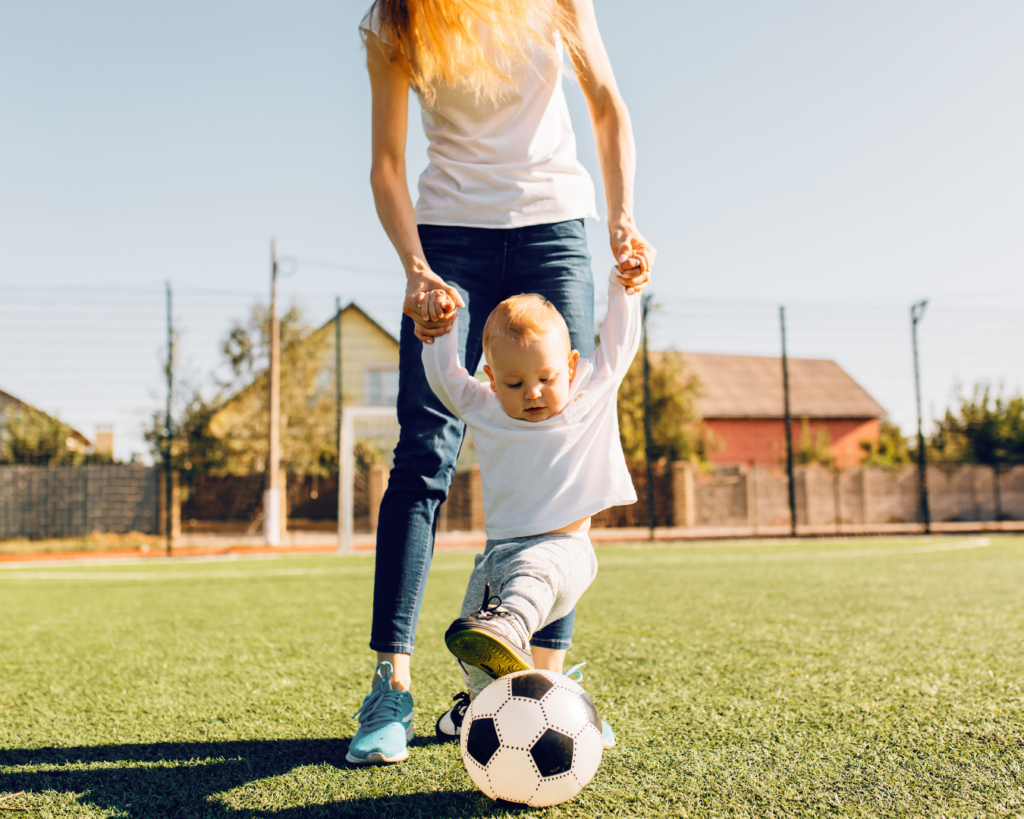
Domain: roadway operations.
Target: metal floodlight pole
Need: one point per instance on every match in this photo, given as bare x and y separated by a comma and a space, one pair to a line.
272, 495
169, 431
789, 425
916, 314
645, 303
338, 403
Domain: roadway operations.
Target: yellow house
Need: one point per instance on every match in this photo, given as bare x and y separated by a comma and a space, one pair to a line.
369, 369
369, 359
369, 362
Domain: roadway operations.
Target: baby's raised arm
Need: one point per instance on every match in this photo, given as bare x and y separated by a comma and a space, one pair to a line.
449, 380
620, 331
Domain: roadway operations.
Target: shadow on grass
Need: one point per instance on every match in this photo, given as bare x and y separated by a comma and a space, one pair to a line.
132, 781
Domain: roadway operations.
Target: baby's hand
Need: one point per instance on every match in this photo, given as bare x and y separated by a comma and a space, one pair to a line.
636, 259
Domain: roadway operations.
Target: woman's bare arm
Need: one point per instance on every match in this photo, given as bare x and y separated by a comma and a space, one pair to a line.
390, 90
616, 149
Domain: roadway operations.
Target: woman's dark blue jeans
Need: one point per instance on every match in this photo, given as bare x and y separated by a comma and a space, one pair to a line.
486, 265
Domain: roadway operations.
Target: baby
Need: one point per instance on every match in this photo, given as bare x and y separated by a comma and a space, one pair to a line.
548, 440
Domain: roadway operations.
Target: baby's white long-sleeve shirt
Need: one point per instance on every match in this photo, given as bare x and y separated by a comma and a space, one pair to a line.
537, 476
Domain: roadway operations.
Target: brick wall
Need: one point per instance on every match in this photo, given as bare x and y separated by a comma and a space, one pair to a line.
763, 441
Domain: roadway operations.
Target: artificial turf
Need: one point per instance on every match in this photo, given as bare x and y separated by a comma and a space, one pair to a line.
860, 677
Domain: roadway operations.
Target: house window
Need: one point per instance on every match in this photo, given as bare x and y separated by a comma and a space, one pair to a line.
380, 386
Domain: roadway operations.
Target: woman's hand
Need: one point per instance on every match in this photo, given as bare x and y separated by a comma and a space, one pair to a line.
430, 303
635, 257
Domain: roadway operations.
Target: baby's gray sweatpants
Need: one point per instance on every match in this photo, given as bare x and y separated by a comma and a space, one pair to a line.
539, 578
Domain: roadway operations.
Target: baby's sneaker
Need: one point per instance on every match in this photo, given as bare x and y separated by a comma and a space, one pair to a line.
607, 734
449, 724
493, 640
385, 723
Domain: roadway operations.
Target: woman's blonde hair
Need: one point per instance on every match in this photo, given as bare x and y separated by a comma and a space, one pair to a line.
443, 41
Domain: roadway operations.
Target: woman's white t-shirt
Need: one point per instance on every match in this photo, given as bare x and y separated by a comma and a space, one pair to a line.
538, 476
502, 164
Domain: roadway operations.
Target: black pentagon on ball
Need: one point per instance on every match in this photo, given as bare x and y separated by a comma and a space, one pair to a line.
552, 753
531, 686
482, 742
591, 710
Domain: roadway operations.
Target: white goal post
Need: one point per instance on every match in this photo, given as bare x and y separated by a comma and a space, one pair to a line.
375, 423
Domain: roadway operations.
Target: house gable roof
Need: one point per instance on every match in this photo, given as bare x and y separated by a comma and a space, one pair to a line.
353, 306
747, 386
355, 309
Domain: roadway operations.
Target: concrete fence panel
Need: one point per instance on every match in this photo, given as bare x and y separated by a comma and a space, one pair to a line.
721, 497
768, 494
66, 501
1011, 493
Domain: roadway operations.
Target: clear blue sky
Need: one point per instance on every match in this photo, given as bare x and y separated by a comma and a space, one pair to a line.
843, 158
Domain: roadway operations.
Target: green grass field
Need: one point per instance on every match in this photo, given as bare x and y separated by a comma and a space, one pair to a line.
860, 677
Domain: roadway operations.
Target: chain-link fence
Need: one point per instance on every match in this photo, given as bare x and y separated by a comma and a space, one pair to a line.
83, 394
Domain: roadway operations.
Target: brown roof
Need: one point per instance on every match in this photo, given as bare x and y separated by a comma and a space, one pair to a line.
7, 401
749, 386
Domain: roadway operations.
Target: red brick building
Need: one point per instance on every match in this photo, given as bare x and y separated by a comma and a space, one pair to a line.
742, 405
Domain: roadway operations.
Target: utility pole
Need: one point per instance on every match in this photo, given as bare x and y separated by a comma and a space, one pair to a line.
169, 432
645, 303
789, 425
337, 397
272, 494
916, 314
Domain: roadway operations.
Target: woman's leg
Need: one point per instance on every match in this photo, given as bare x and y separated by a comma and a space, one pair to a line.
424, 460
470, 259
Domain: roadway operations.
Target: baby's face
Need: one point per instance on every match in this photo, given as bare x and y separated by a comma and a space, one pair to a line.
532, 382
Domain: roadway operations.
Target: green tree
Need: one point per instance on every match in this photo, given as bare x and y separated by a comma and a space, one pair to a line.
29, 436
676, 430
227, 433
892, 448
813, 450
983, 429
195, 447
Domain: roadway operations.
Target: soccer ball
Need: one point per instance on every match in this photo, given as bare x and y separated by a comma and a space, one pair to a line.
532, 737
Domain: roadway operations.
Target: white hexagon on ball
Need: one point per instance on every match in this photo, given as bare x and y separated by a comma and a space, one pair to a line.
532, 737
565, 708
509, 771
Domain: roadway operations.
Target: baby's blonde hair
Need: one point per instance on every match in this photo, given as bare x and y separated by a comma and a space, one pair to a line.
522, 319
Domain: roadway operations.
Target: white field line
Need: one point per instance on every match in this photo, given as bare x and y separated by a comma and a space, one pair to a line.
753, 557
149, 575
177, 560
637, 558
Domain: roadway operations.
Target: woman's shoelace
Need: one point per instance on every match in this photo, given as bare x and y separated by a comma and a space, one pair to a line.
575, 674
383, 704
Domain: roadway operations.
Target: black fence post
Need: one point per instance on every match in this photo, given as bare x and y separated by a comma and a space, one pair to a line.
916, 313
645, 303
789, 425
168, 432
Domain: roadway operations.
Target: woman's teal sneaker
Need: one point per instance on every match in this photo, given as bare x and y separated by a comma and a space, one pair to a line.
607, 734
385, 723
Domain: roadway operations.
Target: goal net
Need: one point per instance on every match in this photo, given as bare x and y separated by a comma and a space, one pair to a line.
368, 434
